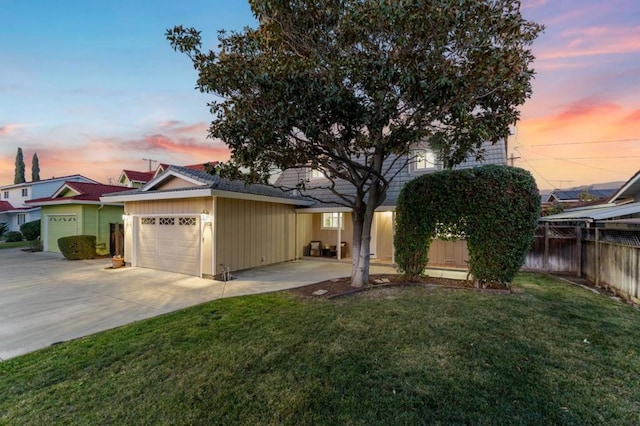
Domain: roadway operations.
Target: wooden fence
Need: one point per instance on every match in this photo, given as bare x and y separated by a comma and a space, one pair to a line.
604, 257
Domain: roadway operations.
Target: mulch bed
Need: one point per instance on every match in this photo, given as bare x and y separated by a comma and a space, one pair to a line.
341, 287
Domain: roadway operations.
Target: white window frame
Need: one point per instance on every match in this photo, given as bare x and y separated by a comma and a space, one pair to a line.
22, 219
25, 192
315, 174
424, 160
6, 195
334, 218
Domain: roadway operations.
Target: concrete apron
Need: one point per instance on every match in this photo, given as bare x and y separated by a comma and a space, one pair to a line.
45, 299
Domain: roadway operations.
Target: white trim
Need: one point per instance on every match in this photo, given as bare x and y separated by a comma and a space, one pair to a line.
63, 187
61, 201
340, 209
202, 192
44, 181
256, 197
169, 174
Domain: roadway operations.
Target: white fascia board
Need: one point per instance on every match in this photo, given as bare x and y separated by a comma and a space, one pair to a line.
256, 197
62, 201
170, 174
341, 209
148, 196
62, 188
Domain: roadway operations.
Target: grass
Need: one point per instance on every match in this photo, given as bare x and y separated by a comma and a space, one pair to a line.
4, 245
410, 355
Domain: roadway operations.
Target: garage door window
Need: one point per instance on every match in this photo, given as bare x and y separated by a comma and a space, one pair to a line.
187, 221
148, 220
167, 221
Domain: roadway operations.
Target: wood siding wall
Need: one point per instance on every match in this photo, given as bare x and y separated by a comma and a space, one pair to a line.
254, 233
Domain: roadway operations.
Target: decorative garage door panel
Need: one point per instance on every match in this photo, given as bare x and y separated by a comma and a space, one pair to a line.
169, 244
59, 226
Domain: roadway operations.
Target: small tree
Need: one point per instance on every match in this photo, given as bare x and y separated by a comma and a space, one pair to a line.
348, 87
20, 168
35, 168
31, 230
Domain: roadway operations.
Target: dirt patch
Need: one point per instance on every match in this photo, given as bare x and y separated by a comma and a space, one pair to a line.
383, 284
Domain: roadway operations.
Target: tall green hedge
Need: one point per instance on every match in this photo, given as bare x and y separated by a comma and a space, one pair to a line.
78, 247
495, 207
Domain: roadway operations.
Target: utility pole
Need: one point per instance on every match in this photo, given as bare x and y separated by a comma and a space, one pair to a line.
150, 161
512, 159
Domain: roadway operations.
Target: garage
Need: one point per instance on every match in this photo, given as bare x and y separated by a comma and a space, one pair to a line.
169, 243
58, 226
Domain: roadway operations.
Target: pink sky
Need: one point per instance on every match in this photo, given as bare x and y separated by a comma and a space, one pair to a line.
94, 101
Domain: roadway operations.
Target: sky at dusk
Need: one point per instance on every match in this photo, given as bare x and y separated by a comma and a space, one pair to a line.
94, 87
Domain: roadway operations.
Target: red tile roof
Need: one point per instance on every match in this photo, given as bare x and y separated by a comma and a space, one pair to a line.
5, 206
86, 192
135, 176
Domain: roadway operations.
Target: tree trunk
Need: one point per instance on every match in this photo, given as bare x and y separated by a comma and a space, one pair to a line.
362, 222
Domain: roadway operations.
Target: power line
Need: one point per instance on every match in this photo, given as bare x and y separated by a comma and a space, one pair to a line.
584, 158
587, 142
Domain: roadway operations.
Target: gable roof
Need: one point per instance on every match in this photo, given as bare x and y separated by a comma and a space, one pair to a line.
630, 188
574, 194
590, 214
44, 181
84, 193
136, 176
5, 206
199, 183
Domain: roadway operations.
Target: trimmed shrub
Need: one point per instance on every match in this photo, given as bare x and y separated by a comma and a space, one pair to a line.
3, 228
31, 230
78, 247
13, 237
495, 207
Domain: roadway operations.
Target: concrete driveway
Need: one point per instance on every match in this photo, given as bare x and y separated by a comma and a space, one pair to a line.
45, 299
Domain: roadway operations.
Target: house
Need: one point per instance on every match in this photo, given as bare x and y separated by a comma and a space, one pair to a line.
191, 222
188, 221
14, 209
75, 209
135, 179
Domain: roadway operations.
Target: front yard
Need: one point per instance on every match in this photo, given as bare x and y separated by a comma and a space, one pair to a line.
550, 353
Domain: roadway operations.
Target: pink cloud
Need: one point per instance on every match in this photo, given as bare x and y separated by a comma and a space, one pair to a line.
10, 129
594, 41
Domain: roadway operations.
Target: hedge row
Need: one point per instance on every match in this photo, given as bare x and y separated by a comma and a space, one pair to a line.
495, 208
78, 247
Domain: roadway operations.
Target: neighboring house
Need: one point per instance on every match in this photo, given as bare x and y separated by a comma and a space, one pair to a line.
14, 209
75, 209
191, 222
622, 208
188, 221
135, 179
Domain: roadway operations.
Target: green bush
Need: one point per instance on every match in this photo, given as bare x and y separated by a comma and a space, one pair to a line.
78, 247
495, 207
13, 237
3, 228
31, 230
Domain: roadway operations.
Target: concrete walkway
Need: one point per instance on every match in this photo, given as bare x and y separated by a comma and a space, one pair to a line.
46, 299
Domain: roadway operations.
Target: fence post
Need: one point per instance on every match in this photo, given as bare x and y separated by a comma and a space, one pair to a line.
579, 250
545, 256
597, 283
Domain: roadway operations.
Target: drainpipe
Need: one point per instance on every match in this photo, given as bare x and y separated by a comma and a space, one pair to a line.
98, 225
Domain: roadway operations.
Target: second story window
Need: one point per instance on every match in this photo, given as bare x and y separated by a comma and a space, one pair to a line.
424, 159
25, 192
5, 195
316, 174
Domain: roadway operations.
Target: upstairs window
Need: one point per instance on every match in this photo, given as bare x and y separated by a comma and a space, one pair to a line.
315, 174
332, 220
25, 192
6, 195
424, 159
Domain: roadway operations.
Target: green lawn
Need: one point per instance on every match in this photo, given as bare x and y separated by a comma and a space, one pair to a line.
411, 355
4, 245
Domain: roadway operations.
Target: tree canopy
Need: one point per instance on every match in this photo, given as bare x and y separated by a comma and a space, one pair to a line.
35, 168
348, 86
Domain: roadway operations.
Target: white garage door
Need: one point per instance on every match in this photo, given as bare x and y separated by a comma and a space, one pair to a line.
169, 243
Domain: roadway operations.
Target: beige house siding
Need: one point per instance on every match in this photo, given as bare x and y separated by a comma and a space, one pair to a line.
253, 233
384, 235
449, 253
304, 232
330, 236
176, 183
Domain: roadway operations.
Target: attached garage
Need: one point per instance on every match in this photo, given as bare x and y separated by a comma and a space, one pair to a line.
58, 226
169, 243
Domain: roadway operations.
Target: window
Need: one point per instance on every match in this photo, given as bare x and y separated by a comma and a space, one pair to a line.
331, 221
6, 195
25, 192
424, 159
21, 218
316, 174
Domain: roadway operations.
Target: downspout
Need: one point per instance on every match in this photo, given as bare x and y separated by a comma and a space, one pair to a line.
98, 225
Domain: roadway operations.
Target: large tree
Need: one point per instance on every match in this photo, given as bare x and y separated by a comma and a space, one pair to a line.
20, 168
35, 168
347, 87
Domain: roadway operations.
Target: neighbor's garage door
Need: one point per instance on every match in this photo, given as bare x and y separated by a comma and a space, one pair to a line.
58, 226
169, 244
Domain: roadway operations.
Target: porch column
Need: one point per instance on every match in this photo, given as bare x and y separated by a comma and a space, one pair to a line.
338, 248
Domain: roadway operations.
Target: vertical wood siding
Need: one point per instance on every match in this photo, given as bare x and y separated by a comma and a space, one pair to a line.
254, 233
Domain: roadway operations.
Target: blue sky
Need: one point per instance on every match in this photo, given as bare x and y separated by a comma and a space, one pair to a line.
94, 87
